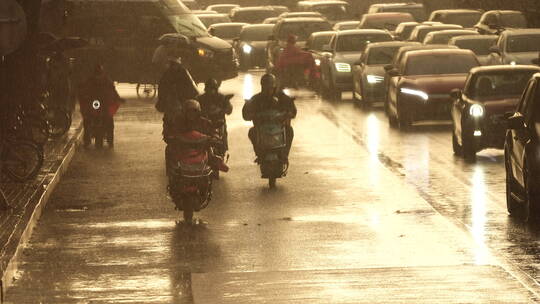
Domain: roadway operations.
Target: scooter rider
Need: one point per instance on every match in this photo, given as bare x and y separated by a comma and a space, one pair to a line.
215, 106
270, 99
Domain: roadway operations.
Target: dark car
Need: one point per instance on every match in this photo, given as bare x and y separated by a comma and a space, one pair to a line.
416, 9
253, 14
419, 87
493, 22
420, 31
478, 112
464, 17
209, 19
345, 48
369, 73
333, 10
226, 31
384, 21
302, 28
222, 8
521, 157
251, 45
479, 44
442, 37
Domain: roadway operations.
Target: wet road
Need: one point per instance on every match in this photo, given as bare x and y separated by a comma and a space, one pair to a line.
367, 214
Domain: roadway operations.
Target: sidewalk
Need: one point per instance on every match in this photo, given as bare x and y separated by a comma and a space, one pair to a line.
28, 199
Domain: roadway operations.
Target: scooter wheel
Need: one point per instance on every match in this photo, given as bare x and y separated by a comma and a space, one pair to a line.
188, 210
272, 182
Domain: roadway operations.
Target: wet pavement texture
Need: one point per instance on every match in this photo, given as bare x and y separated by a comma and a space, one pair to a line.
367, 214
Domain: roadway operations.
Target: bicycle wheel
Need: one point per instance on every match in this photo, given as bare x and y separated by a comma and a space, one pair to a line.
146, 90
59, 121
36, 130
22, 160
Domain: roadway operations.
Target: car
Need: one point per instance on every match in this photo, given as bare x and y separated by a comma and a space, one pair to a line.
442, 37
333, 10
479, 44
384, 21
300, 14
226, 31
417, 10
420, 85
300, 27
209, 19
252, 14
478, 111
403, 30
494, 22
271, 20
251, 45
368, 72
222, 8
516, 47
521, 154
345, 25
420, 31
464, 17
345, 48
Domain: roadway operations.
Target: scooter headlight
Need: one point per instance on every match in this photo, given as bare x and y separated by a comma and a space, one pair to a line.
247, 48
476, 110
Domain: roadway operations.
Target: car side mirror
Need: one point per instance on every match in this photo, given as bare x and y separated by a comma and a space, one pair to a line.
455, 94
393, 73
516, 122
495, 49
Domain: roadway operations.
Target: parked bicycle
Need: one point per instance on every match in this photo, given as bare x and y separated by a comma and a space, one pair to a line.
21, 159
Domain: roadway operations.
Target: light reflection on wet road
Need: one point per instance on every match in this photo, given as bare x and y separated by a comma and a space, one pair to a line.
340, 228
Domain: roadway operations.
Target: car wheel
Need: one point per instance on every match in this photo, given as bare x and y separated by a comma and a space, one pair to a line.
467, 144
532, 197
403, 118
456, 147
512, 205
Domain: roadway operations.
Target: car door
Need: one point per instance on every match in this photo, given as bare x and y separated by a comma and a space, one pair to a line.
521, 137
393, 85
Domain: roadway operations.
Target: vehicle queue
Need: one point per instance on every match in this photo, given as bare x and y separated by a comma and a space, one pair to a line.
463, 65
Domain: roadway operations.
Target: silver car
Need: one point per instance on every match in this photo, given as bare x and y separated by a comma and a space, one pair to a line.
479, 44
516, 47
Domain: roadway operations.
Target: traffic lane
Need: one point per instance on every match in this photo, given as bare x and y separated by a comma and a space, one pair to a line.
470, 194
109, 233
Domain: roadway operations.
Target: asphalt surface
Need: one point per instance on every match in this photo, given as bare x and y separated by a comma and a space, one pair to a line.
367, 214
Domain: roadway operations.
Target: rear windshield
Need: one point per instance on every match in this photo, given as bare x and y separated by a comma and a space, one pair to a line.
357, 43
258, 33
468, 19
227, 32
318, 42
513, 21
332, 12
418, 13
523, 43
253, 16
381, 55
437, 64
499, 84
480, 47
443, 38
301, 30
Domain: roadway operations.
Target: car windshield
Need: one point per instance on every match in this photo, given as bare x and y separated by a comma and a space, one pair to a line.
418, 13
513, 21
499, 84
188, 25
381, 55
479, 46
227, 32
438, 64
256, 33
332, 12
357, 43
523, 43
422, 32
253, 16
319, 42
463, 19
302, 30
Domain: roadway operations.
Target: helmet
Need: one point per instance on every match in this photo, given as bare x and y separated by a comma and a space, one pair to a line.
211, 83
268, 80
192, 105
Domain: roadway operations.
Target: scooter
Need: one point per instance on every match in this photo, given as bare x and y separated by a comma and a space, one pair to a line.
190, 181
271, 139
217, 117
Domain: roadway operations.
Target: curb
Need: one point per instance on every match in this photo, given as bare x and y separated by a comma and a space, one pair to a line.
48, 185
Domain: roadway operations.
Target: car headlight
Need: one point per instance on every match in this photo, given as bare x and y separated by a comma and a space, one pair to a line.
317, 62
247, 48
513, 62
476, 110
343, 67
205, 53
374, 79
417, 93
